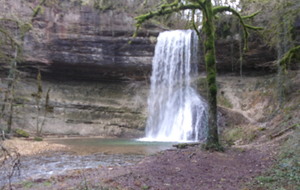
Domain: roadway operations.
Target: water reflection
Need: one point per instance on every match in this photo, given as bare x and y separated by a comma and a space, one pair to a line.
85, 146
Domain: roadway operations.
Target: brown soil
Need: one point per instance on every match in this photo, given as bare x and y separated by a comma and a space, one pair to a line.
195, 169
186, 169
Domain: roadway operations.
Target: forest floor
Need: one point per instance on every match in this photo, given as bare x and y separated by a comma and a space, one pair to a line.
188, 169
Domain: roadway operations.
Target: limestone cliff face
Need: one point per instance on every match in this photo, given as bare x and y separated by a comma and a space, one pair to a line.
83, 108
78, 41
257, 60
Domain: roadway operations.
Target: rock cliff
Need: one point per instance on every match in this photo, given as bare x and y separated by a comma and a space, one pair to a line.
80, 41
83, 108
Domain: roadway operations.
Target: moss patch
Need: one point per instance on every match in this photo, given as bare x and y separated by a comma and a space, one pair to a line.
21, 133
38, 139
239, 135
223, 101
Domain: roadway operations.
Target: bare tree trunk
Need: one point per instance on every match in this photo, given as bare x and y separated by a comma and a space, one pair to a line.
10, 90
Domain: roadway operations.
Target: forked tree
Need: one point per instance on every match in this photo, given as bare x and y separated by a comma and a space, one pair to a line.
209, 14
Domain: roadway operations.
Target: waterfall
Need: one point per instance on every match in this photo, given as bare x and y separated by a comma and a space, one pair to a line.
175, 110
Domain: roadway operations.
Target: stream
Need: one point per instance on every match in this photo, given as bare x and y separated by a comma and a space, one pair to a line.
84, 153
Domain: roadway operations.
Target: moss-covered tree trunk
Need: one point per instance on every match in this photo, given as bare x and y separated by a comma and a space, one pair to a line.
210, 61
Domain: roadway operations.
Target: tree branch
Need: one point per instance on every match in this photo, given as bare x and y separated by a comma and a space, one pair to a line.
220, 9
13, 41
251, 16
37, 9
164, 10
194, 24
288, 56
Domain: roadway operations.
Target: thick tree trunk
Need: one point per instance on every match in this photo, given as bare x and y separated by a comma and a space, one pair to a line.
210, 61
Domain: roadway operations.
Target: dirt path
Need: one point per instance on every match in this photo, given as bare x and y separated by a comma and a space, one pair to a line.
188, 169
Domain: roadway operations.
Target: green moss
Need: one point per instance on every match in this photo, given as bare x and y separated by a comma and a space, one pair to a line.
209, 44
145, 187
38, 139
262, 129
231, 135
21, 133
213, 89
103, 5
211, 77
223, 101
27, 184
47, 183
224, 29
265, 179
213, 147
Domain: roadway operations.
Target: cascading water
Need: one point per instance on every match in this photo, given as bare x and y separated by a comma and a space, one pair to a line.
176, 111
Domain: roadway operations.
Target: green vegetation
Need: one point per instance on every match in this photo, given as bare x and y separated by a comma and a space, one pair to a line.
145, 187
47, 183
38, 139
230, 136
28, 184
103, 5
223, 101
240, 135
291, 54
21, 133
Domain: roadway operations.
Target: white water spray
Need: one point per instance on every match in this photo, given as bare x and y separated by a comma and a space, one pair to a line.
176, 112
